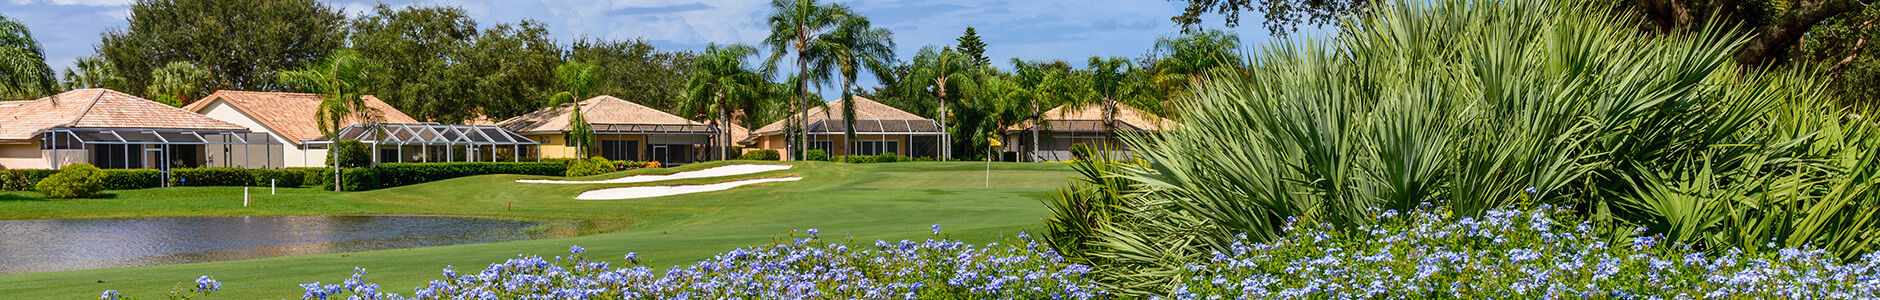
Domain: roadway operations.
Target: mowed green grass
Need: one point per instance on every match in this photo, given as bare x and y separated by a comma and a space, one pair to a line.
871, 201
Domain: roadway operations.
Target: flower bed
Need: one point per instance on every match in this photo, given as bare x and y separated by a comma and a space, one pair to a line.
1510, 254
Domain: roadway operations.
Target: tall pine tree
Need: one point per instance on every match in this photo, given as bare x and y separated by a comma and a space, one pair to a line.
973, 47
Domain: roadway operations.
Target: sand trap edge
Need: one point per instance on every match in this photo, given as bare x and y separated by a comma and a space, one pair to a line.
642, 192
700, 173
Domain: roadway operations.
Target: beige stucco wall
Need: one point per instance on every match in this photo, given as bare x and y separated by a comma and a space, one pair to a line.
22, 156
291, 155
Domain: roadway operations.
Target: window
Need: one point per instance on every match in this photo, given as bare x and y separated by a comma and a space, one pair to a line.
826, 146
877, 147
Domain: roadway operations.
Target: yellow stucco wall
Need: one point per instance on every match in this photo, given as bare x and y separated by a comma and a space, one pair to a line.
556, 145
776, 142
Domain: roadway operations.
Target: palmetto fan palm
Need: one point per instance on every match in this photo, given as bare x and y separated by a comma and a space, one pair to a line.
721, 84
1477, 105
796, 28
854, 45
580, 79
943, 70
23, 70
338, 80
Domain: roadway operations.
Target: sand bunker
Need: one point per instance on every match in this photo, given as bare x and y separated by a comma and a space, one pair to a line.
661, 191
726, 170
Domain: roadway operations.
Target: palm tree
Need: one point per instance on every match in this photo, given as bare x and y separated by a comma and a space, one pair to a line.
797, 27
176, 83
721, 84
1047, 87
1109, 79
580, 78
1191, 56
940, 68
854, 45
339, 79
23, 70
92, 72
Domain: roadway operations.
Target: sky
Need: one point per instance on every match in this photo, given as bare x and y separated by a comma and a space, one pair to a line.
1070, 30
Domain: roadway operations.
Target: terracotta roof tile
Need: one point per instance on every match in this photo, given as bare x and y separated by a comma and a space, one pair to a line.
291, 115
865, 109
97, 108
598, 110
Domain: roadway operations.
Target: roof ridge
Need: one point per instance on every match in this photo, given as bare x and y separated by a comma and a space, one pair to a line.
82, 112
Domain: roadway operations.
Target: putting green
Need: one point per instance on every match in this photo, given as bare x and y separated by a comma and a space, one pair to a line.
871, 201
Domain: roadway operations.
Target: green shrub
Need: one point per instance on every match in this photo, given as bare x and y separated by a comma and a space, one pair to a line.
278, 177
351, 179
79, 180
816, 155
761, 154
889, 157
211, 177
22, 179
402, 174
131, 179
923, 158
592, 166
352, 154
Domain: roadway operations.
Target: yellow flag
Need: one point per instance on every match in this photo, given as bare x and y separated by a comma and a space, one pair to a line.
995, 142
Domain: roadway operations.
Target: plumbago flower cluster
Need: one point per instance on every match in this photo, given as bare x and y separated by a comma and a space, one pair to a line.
799, 268
204, 286
1515, 255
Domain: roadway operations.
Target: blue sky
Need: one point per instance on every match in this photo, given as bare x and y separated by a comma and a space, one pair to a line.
1071, 30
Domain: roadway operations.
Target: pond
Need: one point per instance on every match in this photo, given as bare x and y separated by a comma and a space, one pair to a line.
56, 245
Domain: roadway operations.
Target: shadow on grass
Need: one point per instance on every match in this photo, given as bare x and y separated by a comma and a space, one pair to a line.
12, 197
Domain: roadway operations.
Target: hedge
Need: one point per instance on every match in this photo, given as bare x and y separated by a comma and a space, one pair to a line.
402, 174
351, 179
211, 177
22, 179
279, 178
761, 154
131, 179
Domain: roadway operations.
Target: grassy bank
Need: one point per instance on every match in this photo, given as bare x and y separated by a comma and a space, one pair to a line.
871, 201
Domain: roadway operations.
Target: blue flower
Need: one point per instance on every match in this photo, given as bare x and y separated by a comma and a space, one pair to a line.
576, 249
109, 295
936, 228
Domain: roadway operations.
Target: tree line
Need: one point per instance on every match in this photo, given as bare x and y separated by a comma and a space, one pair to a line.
433, 62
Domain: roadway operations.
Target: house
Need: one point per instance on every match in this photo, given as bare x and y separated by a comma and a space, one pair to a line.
115, 130
878, 129
624, 131
1067, 126
287, 117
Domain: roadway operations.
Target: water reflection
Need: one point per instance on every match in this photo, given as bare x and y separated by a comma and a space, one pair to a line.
54, 245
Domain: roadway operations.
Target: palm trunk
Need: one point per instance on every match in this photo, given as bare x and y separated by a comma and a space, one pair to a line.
802, 103
946, 137
1036, 121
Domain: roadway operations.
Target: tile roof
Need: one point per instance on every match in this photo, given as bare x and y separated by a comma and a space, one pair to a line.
97, 108
865, 109
291, 114
1125, 117
599, 111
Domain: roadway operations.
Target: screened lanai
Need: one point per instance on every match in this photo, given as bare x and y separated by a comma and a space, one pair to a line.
161, 149
433, 142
